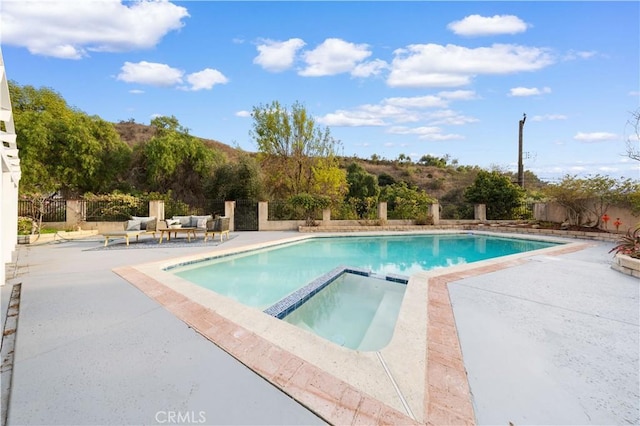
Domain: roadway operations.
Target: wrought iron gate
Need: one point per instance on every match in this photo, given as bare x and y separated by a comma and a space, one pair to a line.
246, 215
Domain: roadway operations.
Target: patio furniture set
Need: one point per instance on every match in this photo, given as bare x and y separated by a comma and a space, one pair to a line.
190, 226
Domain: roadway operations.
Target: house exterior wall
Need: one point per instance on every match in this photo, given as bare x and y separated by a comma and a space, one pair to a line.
10, 176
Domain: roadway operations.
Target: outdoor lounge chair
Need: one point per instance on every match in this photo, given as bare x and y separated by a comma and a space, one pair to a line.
206, 224
220, 225
133, 227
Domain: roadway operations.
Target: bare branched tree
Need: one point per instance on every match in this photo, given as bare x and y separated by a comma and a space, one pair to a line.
633, 140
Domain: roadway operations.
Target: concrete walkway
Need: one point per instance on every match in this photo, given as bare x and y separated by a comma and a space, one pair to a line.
92, 349
554, 340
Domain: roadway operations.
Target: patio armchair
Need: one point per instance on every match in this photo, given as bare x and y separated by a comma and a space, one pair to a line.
219, 225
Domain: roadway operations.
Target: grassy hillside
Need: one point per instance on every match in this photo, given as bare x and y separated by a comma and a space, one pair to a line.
437, 182
134, 133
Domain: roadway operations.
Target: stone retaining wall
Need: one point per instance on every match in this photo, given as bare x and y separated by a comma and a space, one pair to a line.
600, 236
627, 265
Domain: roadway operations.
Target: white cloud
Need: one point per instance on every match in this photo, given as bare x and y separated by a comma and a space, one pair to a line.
549, 117
476, 25
276, 56
528, 91
136, 91
163, 75
243, 114
401, 130
371, 115
396, 110
71, 29
576, 54
634, 93
351, 119
206, 79
458, 95
596, 137
450, 118
333, 56
150, 73
424, 133
367, 69
433, 65
429, 101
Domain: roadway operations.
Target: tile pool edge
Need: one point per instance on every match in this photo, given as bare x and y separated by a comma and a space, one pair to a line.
293, 301
425, 383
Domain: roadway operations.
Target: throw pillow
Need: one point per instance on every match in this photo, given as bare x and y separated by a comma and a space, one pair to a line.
144, 220
132, 225
196, 219
185, 221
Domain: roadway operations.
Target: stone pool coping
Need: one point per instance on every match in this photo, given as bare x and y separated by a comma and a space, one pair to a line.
426, 384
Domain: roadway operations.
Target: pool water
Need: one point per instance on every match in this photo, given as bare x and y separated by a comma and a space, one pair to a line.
354, 311
262, 277
351, 310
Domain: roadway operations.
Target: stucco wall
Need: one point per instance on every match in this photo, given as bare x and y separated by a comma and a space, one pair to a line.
553, 212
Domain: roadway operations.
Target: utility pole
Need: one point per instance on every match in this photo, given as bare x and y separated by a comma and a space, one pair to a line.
520, 164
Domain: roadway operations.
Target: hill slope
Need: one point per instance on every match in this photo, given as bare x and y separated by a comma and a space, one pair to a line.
134, 133
438, 182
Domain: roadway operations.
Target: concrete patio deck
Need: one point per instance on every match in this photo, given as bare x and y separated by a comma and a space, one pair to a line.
553, 340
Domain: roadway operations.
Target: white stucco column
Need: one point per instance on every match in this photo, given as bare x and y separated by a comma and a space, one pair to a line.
9, 175
230, 211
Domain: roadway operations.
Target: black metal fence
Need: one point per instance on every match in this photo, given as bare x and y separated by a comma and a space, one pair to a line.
459, 211
52, 209
282, 210
246, 212
523, 212
246, 215
113, 211
201, 208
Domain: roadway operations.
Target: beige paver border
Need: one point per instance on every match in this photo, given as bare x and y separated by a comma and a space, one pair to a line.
329, 397
447, 396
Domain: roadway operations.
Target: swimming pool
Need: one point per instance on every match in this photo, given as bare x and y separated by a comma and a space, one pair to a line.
398, 375
263, 277
354, 308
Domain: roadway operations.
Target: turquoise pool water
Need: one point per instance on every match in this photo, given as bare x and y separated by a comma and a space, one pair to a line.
354, 311
358, 312
261, 278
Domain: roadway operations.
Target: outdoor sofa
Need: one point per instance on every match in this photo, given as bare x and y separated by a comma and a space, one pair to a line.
189, 225
205, 224
134, 227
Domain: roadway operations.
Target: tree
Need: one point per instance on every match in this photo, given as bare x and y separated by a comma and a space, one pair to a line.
497, 192
429, 160
588, 199
329, 180
241, 180
633, 141
605, 191
173, 160
311, 205
385, 179
405, 202
291, 146
63, 149
363, 189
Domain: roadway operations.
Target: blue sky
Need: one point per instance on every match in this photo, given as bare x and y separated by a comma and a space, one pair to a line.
388, 78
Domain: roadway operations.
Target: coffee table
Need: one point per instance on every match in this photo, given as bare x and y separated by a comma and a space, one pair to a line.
122, 234
189, 231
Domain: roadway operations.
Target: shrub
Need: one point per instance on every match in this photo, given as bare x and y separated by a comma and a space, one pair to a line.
424, 219
629, 244
25, 225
